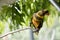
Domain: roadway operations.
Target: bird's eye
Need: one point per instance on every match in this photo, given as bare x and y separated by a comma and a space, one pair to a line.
47, 13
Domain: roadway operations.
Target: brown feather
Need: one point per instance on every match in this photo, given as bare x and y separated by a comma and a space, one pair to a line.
37, 19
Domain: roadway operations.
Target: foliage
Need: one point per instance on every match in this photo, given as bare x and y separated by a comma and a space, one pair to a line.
1, 27
21, 11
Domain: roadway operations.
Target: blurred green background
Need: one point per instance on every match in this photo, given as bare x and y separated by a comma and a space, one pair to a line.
17, 15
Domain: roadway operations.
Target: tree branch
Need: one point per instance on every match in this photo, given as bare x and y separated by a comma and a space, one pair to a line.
13, 32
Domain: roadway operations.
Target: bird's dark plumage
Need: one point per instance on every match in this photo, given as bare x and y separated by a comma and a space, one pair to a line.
38, 18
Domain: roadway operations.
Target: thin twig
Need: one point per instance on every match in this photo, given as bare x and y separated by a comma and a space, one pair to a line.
13, 32
18, 30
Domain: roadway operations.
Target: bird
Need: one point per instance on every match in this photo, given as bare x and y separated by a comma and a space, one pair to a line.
37, 19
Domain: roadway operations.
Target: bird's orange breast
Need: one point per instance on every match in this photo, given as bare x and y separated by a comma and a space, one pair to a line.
35, 23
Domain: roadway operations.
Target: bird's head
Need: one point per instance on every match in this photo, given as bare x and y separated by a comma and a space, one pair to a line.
45, 12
